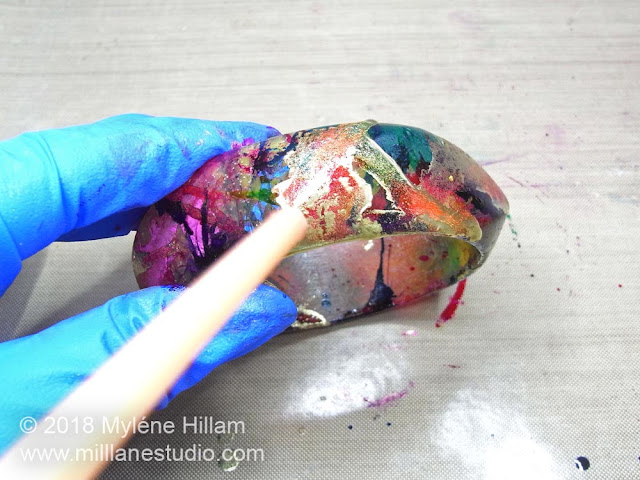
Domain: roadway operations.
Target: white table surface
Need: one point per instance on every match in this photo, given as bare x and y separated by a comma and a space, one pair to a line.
545, 94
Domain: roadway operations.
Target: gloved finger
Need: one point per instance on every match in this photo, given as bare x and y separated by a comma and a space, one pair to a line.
56, 181
41, 369
115, 225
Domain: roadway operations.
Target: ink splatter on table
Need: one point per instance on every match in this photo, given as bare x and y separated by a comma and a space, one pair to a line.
536, 375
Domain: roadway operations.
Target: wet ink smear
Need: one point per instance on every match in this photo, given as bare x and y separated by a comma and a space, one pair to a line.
381, 295
450, 310
582, 463
391, 398
212, 242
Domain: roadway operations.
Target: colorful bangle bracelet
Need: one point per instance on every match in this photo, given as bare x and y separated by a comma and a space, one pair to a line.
394, 213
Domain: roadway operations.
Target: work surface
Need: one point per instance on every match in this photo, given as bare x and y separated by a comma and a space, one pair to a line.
541, 363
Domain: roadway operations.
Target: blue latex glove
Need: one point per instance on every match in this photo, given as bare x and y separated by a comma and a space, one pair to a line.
95, 181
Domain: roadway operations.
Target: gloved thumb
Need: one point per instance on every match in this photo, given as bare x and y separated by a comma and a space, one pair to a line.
37, 371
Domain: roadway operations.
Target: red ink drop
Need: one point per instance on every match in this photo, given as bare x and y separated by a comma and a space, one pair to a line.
450, 310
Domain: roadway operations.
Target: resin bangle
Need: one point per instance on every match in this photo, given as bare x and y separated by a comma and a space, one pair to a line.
395, 213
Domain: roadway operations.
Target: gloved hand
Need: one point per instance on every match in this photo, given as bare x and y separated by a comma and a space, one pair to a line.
96, 181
